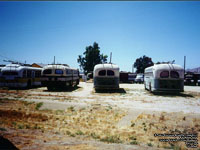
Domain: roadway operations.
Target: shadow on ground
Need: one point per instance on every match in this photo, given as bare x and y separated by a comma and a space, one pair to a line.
120, 90
20, 88
5, 144
62, 89
168, 94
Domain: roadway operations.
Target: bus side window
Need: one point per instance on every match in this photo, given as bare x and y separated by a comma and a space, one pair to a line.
37, 73
33, 74
70, 72
29, 73
24, 74
75, 72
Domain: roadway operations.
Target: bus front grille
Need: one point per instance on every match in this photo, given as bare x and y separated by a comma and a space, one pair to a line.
106, 81
170, 84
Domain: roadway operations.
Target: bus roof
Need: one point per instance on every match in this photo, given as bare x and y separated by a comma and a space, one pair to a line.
164, 67
58, 66
18, 67
106, 66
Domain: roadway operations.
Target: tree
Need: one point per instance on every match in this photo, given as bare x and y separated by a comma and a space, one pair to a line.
142, 63
91, 57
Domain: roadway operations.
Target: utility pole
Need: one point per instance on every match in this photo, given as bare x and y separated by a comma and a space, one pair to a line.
133, 68
184, 63
110, 57
54, 60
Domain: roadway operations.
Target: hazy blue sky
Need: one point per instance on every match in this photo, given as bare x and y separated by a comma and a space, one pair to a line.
37, 31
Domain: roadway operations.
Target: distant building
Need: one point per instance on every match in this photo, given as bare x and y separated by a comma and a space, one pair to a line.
38, 65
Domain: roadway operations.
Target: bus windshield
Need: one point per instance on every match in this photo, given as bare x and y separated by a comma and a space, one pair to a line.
47, 71
58, 71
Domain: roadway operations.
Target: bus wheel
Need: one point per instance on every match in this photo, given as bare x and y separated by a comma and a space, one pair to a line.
77, 82
49, 88
150, 87
145, 86
29, 84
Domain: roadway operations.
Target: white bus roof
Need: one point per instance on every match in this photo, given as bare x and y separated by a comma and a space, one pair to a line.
18, 67
57, 66
165, 67
106, 66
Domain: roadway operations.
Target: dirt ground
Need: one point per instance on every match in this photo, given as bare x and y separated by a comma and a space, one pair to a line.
80, 118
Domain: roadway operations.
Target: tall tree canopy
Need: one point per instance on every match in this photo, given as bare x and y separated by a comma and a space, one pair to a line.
142, 63
91, 57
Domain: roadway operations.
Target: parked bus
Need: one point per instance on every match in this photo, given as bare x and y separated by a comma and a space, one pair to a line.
59, 76
106, 76
20, 76
1, 84
164, 77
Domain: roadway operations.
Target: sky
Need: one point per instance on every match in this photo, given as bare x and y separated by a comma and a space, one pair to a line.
35, 32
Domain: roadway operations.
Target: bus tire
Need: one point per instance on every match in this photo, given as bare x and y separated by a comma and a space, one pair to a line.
150, 87
145, 86
49, 88
77, 82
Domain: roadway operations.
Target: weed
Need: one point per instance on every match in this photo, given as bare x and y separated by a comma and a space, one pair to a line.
20, 126
71, 108
93, 135
68, 132
133, 138
59, 112
3, 129
109, 107
79, 132
36, 127
27, 127
38, 105
111, 139
134, 143
167, 147
133, 124
176, 148
72, 135
14, 123
149, 144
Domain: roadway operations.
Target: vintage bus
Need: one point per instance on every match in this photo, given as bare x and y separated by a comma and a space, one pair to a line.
164, 77
1, 84
59, 76
20, 76
106, 76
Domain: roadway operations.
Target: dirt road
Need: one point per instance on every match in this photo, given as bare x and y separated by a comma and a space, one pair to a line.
130, 116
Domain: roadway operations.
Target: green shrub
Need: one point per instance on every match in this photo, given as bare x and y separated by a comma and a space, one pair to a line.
38, 105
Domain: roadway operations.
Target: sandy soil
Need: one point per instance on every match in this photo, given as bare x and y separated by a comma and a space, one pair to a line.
127, 118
